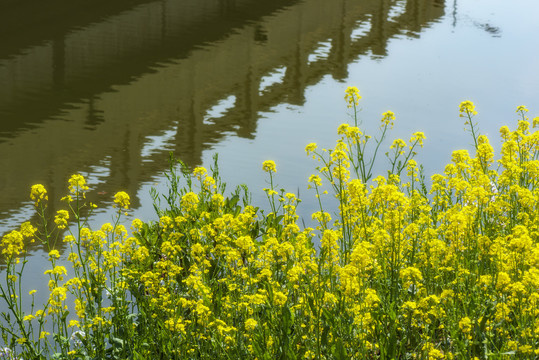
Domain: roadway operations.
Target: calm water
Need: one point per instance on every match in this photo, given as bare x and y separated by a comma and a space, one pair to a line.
109, 90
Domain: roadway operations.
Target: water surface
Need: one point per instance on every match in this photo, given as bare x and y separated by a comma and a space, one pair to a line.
109, 90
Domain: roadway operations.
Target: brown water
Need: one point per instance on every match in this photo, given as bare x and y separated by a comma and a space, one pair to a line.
109, 90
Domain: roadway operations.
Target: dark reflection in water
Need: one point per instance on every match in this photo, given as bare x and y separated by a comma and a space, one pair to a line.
110, 89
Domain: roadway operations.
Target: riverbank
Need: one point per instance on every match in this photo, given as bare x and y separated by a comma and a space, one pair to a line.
405, 268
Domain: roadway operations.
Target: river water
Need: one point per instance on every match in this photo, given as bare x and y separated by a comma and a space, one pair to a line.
108, 90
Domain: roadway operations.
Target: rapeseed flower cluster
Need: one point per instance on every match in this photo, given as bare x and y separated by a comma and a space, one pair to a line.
395, 267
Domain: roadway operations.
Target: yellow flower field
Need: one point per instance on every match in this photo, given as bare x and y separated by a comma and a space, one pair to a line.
405, 268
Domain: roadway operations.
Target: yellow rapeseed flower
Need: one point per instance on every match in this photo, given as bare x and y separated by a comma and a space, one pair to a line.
419, 137
316, 180
352, 96
200, 172
122, 199
27, 229
269, 166
77, 184
465, 325
136, 225
467, 108
61, 219
250, 324
521, 108
12, 244
38, 193
311, 147
398, 143
388, 118
432, 352
189, 201
29, 317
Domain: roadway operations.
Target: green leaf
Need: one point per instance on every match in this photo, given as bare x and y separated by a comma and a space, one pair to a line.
286, 317
324, 338
340, 351
116, 341
311, 304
